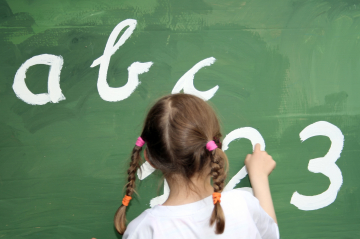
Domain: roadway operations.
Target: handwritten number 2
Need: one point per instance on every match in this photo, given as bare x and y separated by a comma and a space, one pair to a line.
248, 133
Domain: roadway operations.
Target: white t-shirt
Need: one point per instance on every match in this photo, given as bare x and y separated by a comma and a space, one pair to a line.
244, 218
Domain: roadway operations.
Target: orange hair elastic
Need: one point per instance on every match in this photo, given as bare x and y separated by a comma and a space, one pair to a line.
216, 197
126, 200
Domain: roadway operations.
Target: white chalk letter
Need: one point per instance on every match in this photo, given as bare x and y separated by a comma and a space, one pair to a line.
186, 82
145, 170
135, 69
161, 199
54, 94
325, 165
255, 138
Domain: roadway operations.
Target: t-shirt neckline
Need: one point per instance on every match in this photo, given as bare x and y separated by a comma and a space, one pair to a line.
181, 210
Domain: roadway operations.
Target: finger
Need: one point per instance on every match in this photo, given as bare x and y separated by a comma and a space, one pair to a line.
257, 147
247, 158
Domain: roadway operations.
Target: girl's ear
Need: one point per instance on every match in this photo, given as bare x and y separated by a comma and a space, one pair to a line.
147, 158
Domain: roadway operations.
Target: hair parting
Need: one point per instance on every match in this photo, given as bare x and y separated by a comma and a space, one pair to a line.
120, 215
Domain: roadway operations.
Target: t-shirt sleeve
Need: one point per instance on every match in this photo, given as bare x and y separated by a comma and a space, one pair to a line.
267, 227
139, 228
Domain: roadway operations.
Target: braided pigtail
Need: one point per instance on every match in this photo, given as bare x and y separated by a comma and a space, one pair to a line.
218, 172
120, 215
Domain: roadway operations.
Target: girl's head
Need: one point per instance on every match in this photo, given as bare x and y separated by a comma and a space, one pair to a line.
176, 131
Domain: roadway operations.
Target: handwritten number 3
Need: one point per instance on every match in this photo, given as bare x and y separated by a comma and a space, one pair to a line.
325, 165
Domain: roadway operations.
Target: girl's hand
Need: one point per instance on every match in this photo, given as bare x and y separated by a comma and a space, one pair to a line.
259, 166
259, 163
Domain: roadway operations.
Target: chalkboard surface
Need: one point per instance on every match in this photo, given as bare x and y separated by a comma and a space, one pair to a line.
77, 78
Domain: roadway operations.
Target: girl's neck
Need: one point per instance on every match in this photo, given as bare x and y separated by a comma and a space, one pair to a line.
182, 192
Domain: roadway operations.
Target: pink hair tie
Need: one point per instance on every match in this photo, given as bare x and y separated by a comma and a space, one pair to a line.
140, 142
211, 145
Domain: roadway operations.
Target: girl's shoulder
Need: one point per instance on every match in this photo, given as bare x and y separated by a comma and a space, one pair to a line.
238, 196
241, 199
141, 221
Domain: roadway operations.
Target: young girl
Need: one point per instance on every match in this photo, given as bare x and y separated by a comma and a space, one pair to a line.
182, 137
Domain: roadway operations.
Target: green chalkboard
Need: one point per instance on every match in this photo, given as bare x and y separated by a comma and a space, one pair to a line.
282, 67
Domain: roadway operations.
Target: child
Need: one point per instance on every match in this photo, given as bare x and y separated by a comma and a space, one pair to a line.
182, 136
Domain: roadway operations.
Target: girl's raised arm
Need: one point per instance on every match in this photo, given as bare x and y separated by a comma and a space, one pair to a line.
259, 166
